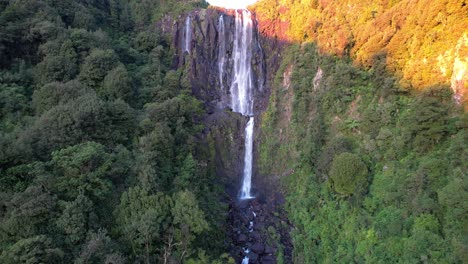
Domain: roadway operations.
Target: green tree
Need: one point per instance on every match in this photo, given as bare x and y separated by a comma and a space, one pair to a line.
81, 119
143, 219
60, 62
348, 174
187, 175
189, 222
99, 248
96, 66
425, 242
155, 159
52, 94
117, 84
83, 170
27, 213
33, 250
74, 221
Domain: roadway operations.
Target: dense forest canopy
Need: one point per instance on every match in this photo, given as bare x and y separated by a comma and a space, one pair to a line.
96, 138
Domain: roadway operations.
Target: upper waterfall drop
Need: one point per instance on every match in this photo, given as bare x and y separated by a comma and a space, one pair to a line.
222, 50
188, 34
242, 84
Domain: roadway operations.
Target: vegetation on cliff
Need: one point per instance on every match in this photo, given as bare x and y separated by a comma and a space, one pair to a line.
424, 43
362, 120
376, 174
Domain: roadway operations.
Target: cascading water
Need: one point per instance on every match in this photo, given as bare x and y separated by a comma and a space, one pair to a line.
247, 179
222, 50
241, 89
188, 34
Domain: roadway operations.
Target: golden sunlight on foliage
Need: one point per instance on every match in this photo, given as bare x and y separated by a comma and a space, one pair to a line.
425, 43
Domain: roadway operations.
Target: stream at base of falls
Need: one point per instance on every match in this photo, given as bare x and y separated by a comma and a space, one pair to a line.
259, 231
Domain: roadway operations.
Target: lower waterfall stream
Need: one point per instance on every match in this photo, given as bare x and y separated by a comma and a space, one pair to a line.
248, 157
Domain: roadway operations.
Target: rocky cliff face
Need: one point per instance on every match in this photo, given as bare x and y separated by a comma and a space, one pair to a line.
208, 61
210, 82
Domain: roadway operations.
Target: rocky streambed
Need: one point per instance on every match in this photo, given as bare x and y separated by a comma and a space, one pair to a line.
259, 229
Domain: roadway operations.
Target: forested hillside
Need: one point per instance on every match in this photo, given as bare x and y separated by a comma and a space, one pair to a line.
96, 138
376, 175
365, 132
113, 143
423, 43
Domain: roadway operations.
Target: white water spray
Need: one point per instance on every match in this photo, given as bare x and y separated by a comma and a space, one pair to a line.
241, 87
248, 157
188, 34
222, 50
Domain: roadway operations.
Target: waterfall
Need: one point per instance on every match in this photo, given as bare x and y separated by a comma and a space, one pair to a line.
188, 34
241, 88
247, 180
222, 50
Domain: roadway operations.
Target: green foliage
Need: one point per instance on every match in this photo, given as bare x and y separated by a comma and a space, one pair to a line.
74, 220
187, 214
13, 104
26, 213
189, 221
348, 174
52, 94
99, 248
37, 249
96, 66
396, 161
429, 119
75, 80
59, 64
143, 218
117, 84
84, 118
83, 168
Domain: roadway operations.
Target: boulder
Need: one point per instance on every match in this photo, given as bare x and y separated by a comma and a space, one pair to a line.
268, 260
252, 257
255, 236
269, 250
258, 248
241, 239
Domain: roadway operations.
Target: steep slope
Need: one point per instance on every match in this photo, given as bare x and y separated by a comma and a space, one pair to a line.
423, 43
364, 130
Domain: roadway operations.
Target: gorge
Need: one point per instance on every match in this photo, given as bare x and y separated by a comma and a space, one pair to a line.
167, 131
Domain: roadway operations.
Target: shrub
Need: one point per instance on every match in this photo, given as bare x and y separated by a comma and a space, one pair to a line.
348, 174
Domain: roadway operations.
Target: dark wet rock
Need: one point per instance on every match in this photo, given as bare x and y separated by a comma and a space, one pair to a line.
260, 225
258, 248
269, 250
241, 239
252, 257
255, 236
243, 204
268, 260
